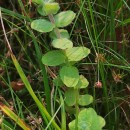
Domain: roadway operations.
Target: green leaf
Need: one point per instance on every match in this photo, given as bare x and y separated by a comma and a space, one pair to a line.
69, 75
42, 25
101, 121
51, 8
83, 82
88, 120
85, 100
98, 123
126, 21
64, 18
63, 33
70, 97
41, 11
37, 1
72, 125
53, 58
88, 116
62, 43
77, 53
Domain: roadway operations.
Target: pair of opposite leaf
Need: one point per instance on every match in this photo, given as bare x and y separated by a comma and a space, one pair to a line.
68, 73
61, 19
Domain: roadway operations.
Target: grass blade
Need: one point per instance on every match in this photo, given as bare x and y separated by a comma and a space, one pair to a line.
13, 116
42, 109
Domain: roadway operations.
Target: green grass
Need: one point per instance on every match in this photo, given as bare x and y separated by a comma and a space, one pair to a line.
102, 26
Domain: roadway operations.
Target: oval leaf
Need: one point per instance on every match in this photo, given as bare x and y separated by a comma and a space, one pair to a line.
51, 8
69, 75
98, 123
42, 25
62, 43
53, 58
101, 121
72, 125
63, 33
83, 82
77, 53
64, 18
85, 100
70, 97
41, 11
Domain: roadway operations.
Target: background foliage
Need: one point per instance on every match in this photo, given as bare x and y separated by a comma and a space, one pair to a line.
102, 26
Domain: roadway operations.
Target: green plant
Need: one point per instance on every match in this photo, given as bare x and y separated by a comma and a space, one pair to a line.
65, 58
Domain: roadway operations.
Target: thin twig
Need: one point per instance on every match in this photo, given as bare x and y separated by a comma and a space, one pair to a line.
8, 44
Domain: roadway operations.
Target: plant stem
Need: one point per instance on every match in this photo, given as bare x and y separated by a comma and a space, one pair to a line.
77, 109
51, 17
63, 113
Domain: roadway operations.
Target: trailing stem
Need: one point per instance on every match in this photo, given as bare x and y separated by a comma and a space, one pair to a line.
77, 109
